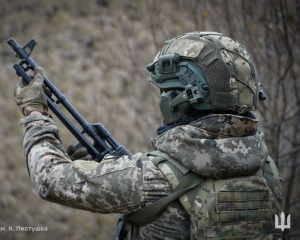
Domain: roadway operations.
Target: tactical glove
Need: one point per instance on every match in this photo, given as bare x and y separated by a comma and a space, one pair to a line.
31, 97
80, 153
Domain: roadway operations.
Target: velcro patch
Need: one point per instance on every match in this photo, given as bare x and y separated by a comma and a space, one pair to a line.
86, 165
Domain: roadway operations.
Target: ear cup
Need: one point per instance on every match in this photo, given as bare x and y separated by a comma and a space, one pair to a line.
177, 113
185, 109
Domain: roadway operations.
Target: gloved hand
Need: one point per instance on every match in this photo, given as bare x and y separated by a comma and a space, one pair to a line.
80, 153
31, 97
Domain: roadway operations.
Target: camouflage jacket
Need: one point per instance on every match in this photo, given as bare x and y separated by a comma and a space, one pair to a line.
128, 185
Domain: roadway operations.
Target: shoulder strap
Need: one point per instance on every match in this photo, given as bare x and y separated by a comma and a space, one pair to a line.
160, 157
174, 171
154, 211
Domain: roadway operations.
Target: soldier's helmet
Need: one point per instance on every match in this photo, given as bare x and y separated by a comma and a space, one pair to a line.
207, 72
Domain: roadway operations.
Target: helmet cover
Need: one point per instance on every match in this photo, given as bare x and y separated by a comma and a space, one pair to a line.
214, 72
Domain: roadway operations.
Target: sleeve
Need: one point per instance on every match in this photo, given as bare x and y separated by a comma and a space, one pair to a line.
112, 186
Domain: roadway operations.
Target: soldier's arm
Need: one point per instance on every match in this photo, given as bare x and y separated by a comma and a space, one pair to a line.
106, 187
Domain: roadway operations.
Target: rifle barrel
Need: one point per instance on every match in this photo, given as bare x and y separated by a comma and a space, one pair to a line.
97, 131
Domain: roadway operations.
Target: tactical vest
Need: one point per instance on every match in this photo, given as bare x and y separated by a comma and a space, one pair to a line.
234, 208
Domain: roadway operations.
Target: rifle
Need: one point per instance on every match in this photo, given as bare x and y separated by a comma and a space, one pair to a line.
103, 143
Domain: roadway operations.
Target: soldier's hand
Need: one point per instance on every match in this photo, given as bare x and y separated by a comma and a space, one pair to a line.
31, 97
80, 153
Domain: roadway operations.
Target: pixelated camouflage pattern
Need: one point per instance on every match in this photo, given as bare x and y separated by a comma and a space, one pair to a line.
239, 76
186, 47
127, 185
240, 207
112, 186
219, 146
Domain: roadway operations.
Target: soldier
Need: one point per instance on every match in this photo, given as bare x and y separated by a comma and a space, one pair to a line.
209, 176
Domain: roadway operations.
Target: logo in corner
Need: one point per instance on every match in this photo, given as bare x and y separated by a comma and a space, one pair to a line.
282, 224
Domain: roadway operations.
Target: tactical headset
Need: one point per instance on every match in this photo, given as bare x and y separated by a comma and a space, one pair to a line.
204, 71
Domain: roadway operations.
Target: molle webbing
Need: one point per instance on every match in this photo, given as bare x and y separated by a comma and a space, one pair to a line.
244, 206
233, 208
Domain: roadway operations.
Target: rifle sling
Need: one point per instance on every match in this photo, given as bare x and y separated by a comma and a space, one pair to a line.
156, 209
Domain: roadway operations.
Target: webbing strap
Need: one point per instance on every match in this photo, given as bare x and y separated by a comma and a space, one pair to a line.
156, 209
166, 157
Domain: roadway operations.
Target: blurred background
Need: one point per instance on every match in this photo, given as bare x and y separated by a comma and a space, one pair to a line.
95, 52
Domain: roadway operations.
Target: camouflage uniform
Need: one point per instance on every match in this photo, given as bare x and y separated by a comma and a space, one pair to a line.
216, 146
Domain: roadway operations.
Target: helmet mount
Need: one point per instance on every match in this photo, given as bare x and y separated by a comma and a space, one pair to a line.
204, 71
